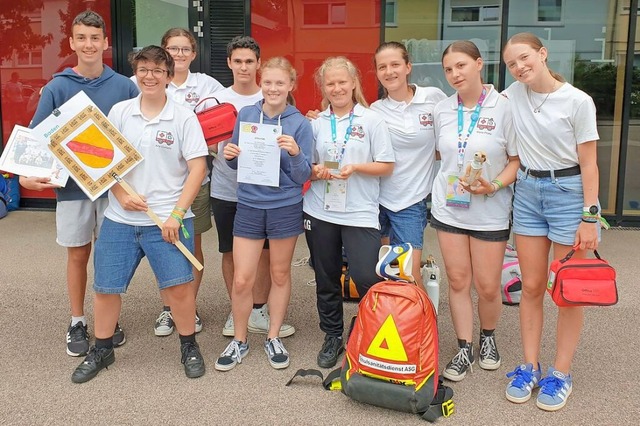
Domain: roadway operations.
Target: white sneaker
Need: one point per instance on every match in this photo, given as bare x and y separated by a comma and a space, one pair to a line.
198, 323
228, 329
164, 324
259, 323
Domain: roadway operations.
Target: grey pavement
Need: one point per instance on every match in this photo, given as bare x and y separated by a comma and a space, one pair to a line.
146, 385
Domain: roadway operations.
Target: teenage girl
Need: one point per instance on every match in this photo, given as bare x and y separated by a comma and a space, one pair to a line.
408, 111
352, 150
555, 204
266, 212
188, 89
472, 218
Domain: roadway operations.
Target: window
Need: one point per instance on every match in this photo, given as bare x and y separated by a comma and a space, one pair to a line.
549, 10
391, 14
475, 14
26, 59
325, 14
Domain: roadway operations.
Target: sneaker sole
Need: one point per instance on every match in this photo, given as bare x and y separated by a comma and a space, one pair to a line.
518, 400
546, 407
276, 365
453, 378
283, 333
490, 366
76, 354
163, 333
195, 374
229, 332
86, 378
221, 367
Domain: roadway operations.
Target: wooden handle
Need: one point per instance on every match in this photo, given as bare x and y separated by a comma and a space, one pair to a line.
158, 222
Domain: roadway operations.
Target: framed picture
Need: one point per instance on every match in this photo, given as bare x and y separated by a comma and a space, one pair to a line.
25, 155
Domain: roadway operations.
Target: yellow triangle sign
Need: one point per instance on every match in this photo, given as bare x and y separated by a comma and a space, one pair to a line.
387, 343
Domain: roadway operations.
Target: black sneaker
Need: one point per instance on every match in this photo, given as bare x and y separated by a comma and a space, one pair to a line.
96, 360
457, 368
192, 360
489, 358
118, 336
331, 350
77, 340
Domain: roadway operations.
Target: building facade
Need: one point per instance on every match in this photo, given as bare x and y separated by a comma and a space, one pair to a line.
592, 43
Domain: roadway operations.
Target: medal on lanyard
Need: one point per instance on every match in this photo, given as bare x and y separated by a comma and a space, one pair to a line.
462, 146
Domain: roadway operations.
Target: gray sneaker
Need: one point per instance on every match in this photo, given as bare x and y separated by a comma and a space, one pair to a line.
77, 340
164, 324
118, 336
228, 329
232, 355
489, 358
259, 323
277, 354
198, 323
457, 368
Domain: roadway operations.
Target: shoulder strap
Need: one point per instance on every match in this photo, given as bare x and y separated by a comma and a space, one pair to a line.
202, 100
332, 382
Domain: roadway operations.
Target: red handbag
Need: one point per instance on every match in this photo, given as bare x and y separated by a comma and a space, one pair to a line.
582, 282
217, 122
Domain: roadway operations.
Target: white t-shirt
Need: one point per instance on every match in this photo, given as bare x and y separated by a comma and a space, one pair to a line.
494, 134
166, 143
413, 140
369, 142
548, 140
224, 182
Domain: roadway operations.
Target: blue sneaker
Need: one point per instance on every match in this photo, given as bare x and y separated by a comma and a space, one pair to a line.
524, 379
232, 355
554, 390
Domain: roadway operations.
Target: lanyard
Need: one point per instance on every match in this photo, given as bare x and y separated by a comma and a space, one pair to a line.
474, 119
334, 134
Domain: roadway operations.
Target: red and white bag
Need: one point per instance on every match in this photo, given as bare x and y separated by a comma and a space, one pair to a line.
582, 282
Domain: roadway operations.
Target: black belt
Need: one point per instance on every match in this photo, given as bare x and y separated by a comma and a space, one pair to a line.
571, 171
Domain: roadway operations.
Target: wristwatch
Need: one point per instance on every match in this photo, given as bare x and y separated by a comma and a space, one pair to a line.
593, 209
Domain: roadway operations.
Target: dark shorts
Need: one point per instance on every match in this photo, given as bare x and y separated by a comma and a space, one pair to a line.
502, 235
278, 223
224, 213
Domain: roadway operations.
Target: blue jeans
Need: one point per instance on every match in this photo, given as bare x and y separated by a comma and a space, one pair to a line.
406, 225
121, 247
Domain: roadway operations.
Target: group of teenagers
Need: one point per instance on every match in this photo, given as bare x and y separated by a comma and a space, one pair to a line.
370, 168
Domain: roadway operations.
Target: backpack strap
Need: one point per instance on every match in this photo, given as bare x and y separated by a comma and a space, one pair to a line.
442, 404
332, 382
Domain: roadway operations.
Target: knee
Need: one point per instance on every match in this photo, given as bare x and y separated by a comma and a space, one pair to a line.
79, 254
533, 292
280, 278
459, 283
488, 293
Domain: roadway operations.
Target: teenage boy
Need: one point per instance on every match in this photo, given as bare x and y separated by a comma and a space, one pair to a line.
171, 142
78, 219
243, 58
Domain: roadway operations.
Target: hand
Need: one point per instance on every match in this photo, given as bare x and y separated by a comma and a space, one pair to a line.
37, 183
231, 151
480, 187
170, 229
587, 236
136, 204
346, 171
287, 142
321, 172
312, 114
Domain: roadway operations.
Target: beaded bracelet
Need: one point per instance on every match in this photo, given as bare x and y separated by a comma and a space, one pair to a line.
595, 218
184, 230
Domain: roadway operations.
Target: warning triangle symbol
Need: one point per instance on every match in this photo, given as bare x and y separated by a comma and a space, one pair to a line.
387, 343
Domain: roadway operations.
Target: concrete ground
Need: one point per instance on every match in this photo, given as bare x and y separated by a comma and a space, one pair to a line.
146, 385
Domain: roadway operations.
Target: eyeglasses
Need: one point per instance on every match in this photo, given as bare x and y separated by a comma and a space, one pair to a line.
156, 72
175, 50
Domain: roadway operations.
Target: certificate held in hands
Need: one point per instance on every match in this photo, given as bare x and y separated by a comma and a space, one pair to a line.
259, 159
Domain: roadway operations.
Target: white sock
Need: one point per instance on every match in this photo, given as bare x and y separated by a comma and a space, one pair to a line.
75, 320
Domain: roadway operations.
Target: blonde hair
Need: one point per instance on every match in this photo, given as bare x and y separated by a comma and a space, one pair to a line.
535, 43
281, 63
344, 63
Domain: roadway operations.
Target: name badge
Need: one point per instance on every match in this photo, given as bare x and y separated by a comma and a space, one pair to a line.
335, 196
457, 195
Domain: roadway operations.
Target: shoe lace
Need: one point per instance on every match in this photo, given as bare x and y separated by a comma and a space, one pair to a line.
189, 350
461, 360
301, 262
330, 344
521, 377
551, 385
233, 351
278, 347
488, 348
165, 318
94, 355
78, 332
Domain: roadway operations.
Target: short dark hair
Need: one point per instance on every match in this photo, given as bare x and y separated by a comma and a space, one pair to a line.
155, 54
90, 18
243, 42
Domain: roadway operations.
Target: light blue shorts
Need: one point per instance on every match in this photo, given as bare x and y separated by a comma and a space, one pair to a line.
273, 224
548, 207
121, 247
406, 225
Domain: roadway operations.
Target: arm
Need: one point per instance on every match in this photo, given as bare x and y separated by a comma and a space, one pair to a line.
506, 177
587, 234
299, 150
231, 149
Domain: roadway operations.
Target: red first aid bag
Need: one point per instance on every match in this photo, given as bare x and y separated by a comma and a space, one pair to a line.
582, 282
217, 122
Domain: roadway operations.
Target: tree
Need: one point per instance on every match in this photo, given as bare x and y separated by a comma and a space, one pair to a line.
15, 28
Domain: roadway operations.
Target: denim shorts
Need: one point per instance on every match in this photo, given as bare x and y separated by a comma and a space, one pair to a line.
121, 247
492, 236
548, 207
278, 223
406, 225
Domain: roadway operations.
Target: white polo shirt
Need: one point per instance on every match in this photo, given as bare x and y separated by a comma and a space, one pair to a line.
413, 140
548, 140
166, 143
369, 142
224, 181
494, 134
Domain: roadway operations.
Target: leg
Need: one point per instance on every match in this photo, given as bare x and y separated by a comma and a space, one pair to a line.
281, 282
361, 245
107, 311
183, 307
486, 260
263, 281
77, 261
197, 275
246, 256
227, 271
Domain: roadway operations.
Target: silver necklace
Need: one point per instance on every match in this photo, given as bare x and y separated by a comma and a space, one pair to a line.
536, 109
